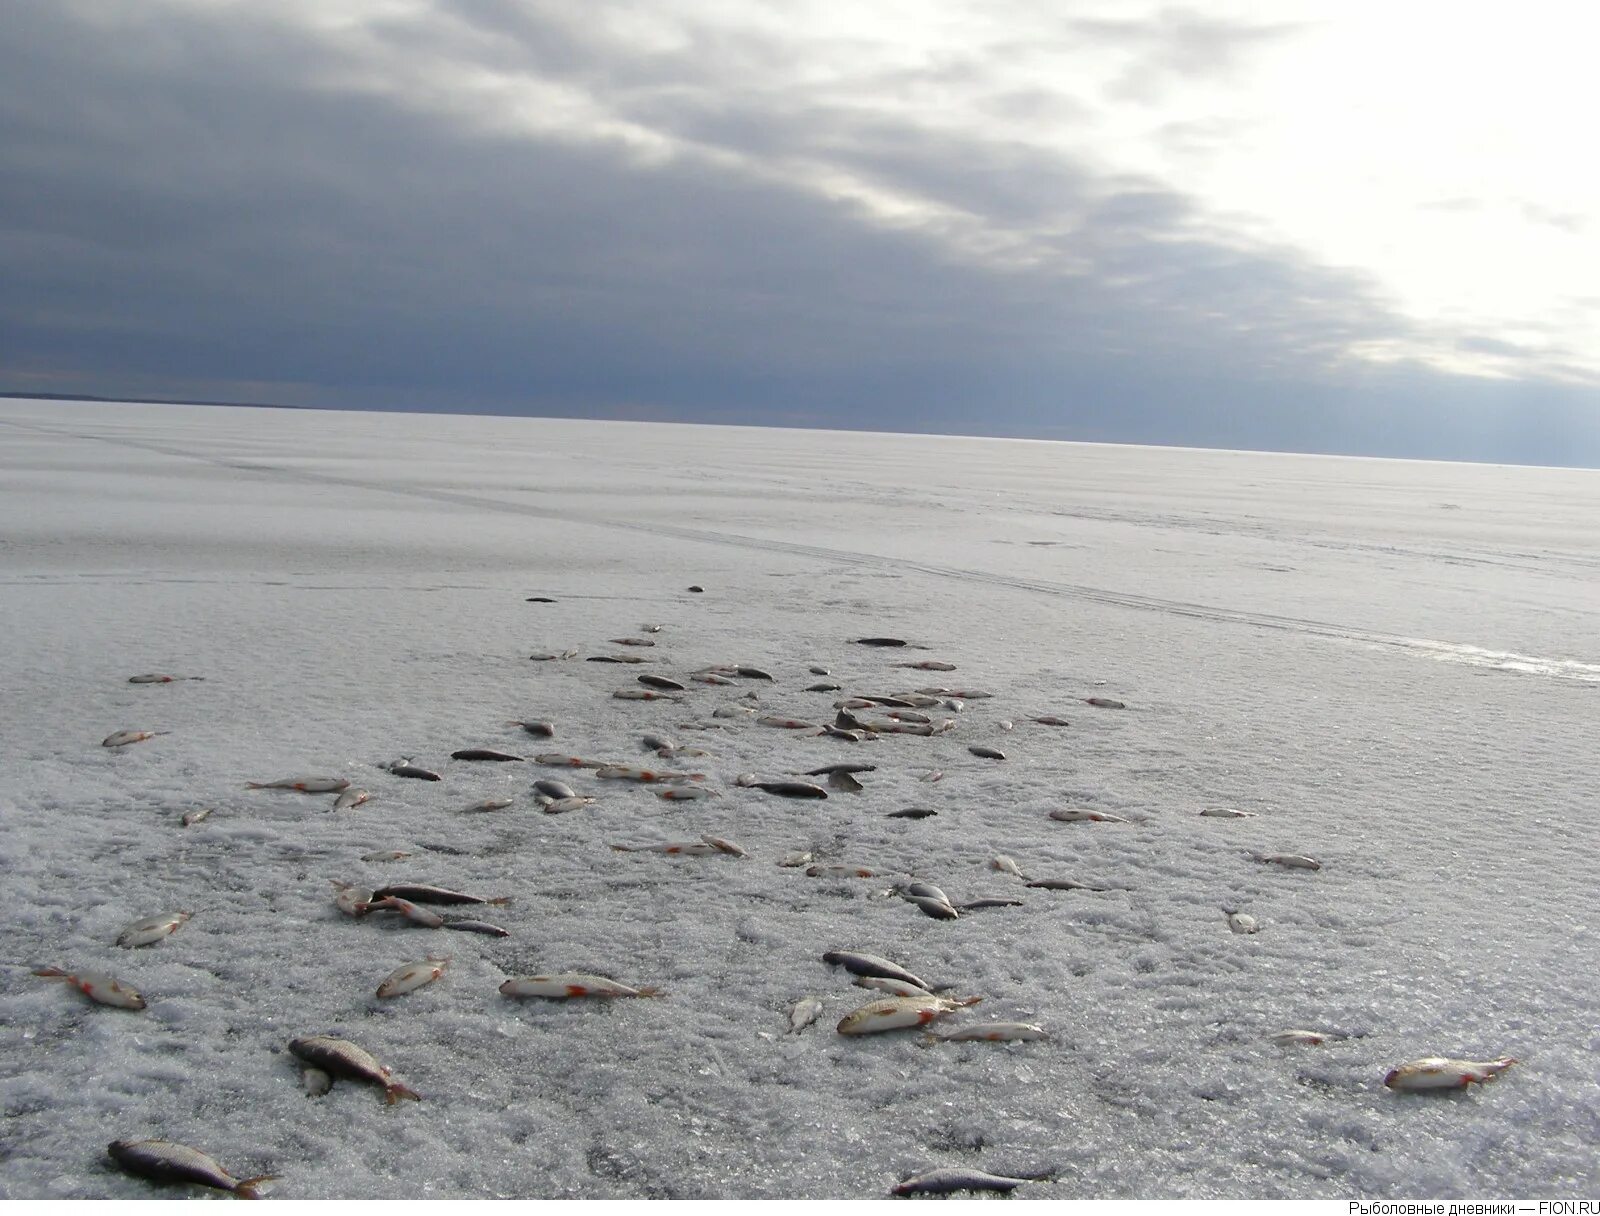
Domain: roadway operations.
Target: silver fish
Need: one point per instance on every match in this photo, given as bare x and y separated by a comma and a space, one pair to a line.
168, 1161
122, 738
1006, 866
150, 930
560, 806
190, 818
554, 789
1440, 1072
401, 768
567, 986
806, 1011
942, 1182
491, 804
1292, 861
879, 983
305, 785
1227, 812
858, 963
541, 730
102, 989
900, 1012
343, 1058
350, 798
407, 909
154, 678
476, 926
424, 894
1240, 922
411, 977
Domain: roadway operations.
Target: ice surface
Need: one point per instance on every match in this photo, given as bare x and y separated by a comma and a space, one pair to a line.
1396, 664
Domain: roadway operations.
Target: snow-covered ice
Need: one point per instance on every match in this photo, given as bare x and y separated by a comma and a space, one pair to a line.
1396, 664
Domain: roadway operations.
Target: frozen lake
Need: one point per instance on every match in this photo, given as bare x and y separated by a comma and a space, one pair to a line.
1396, 665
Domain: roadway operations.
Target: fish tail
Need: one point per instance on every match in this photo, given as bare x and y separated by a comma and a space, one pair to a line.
394, 1091
51, 973
255, 785
651, 992
966, 1001
247, 1189
499, 900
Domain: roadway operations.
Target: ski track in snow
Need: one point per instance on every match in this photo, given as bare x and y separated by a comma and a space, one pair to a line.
342, 621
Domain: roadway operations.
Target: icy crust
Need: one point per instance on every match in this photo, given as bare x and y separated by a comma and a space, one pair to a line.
342, 626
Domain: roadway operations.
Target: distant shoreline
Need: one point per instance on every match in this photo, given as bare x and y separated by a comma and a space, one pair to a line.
256, 405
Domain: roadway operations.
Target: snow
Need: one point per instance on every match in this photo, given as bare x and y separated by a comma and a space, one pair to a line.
1396, 664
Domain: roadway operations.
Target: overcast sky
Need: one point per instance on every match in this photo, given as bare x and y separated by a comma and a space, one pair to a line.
1341, 226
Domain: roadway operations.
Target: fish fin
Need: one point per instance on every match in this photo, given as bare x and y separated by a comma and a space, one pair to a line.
246, 1188
394, 1092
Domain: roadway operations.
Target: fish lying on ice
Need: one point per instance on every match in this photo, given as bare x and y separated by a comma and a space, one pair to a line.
404, 768
1006, 866
413, 913
900, 1012
122, 738
350, 798
476, 926
693, 848
1226, 812
190, 818
154, 678
879, 983
491, 804
857, 963
943, 1182
1440, 1072
569, 985
150, 930
1240, 922
628, 772
168, 1161
102, 989
1291, 861
560, 761
541, 730
351, 900
1104, 703
483, 753
305, 785
412, 976
342, 1058
784, 789
1081, 816
423, 894
1302, 1038
1061, 884
805, 1011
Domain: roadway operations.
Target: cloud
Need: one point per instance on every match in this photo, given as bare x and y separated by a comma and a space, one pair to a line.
487, 204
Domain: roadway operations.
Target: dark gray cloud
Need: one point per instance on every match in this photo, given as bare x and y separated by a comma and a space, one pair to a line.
212, 201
